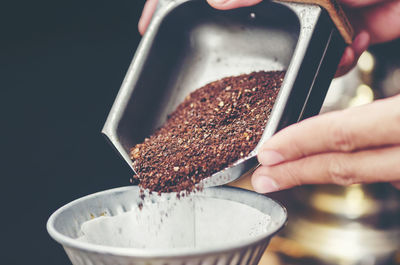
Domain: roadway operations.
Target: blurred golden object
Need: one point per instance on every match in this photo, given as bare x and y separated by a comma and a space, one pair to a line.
364, 95
288, 247
366, 63
353, 203
270, 258
366, 66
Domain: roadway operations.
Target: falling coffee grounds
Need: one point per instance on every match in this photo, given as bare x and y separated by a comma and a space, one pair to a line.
212, 128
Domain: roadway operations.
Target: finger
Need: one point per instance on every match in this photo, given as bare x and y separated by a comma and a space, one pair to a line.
371, 125
376, 165
358, 3
381, 21
360, 44
147, 14
346, 62
352, 53
230, 4
396, 184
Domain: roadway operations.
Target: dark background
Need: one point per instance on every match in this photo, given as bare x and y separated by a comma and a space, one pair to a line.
61, 66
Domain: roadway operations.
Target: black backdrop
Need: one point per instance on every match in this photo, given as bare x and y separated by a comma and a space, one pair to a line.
61, 66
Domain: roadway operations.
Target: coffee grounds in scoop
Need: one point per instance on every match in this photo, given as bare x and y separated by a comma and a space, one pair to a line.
212, 128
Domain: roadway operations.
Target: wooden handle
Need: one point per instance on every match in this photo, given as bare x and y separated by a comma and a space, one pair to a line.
337, 15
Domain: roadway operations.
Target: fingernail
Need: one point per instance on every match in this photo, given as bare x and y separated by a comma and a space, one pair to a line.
264, 184
270, 158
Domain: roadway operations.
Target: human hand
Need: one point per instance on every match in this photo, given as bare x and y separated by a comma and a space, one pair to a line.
357, 145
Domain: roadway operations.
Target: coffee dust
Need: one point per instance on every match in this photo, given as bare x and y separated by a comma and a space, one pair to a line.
212, 128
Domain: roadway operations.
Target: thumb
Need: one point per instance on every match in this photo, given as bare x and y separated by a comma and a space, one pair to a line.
230, 4
363, 166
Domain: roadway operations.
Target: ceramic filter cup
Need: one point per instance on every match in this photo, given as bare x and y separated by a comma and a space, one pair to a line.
221, 225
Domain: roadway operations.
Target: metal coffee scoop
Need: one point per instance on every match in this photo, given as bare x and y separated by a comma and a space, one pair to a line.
189, 44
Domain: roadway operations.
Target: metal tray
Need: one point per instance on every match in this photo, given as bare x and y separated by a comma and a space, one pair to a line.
189, 44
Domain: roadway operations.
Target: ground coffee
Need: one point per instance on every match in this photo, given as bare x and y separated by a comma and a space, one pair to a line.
212, 128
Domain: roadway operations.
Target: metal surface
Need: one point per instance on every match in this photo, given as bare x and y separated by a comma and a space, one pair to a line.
189, 44
65, 224
354, 225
